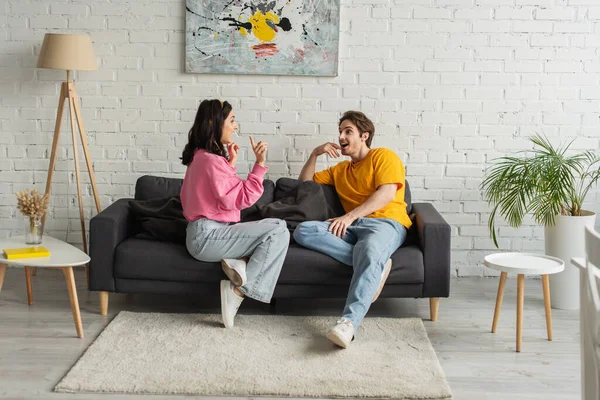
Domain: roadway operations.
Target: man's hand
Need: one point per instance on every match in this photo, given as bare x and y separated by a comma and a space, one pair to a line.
330, 148
339, 225
233, 150
308, 171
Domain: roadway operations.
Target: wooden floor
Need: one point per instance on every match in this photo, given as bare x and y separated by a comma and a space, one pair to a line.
38, 343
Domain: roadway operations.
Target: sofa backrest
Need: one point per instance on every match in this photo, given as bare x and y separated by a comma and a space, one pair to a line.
157, 187
284, 185
150, 187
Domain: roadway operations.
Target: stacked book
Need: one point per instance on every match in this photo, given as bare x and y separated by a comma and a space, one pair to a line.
25, 252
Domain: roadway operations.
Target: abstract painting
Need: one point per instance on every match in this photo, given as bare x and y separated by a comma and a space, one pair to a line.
272, 37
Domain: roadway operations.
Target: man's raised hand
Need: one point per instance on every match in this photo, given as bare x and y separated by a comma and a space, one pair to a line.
329, 148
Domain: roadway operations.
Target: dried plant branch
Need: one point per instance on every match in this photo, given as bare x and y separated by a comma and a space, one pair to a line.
31, 203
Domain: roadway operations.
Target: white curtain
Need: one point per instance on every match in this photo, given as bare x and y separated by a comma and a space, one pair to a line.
590, 319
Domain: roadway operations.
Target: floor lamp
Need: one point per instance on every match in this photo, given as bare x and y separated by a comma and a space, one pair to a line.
70, 53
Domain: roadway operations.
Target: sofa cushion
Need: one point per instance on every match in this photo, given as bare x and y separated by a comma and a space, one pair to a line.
284, 185
167, 261
150, 187
407, 265
407, 197
307, 266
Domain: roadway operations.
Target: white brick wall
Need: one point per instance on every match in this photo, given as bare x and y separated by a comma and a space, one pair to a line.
450, 84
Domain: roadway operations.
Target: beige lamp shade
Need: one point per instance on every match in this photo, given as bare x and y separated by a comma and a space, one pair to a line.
68, 52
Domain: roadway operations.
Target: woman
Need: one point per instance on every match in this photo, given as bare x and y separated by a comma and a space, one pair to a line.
251, 253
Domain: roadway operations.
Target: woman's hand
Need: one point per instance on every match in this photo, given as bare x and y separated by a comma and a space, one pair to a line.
260, 151
233, 150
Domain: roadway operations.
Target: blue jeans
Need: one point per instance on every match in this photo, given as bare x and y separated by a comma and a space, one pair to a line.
366, 246
265, 242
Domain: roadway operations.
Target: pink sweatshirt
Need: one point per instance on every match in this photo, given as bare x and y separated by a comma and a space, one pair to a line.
211, 189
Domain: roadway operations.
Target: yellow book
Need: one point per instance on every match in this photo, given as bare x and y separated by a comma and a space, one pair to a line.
26, 252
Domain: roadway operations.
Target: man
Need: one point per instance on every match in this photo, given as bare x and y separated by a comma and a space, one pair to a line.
371, 189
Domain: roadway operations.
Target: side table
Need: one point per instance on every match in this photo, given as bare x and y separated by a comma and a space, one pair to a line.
63, 256
523, 264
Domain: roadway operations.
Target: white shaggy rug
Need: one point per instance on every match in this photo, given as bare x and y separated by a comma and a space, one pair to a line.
263, 355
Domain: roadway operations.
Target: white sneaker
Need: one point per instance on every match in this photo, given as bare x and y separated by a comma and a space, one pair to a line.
343, 333
384, 275
235, 270
230, 303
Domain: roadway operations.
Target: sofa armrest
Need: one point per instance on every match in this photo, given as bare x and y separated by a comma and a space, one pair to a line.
107, 230
434, 235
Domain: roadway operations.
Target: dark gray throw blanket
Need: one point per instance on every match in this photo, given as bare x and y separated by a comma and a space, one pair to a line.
306, 202
162, 219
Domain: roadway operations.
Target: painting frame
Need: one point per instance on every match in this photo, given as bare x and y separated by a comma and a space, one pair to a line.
263, 37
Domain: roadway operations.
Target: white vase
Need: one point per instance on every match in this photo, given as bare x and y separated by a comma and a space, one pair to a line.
565, 240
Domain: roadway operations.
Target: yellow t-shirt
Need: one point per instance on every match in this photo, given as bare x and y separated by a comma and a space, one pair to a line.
354, 183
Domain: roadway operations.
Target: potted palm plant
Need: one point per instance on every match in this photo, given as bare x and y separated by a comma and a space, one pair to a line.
552, 185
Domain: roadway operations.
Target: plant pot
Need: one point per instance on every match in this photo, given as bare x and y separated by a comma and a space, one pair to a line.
566, 239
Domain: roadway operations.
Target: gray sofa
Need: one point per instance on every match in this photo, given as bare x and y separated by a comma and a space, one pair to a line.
125, 261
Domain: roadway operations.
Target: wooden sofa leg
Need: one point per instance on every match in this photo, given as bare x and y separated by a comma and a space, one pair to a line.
103, 303
434, 304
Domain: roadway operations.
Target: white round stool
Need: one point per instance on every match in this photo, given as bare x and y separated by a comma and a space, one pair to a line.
522, 264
